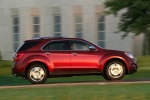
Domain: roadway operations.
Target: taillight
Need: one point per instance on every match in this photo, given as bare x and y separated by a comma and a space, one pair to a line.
18, 56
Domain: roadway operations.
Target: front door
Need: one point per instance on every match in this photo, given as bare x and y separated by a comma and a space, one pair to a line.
83, 60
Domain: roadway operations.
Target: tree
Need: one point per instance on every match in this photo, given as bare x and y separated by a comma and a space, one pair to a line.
135, 17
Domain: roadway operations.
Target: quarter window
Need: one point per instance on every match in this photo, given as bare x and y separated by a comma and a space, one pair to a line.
28, 45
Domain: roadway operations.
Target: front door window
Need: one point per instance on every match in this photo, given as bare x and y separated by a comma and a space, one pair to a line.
79, 46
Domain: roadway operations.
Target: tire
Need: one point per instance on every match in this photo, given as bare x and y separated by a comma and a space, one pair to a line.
37, 74
104, 75
115, 70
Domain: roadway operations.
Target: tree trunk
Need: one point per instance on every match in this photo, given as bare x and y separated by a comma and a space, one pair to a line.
146, 44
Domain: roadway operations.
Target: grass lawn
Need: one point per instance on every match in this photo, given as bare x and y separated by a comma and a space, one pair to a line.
87, 92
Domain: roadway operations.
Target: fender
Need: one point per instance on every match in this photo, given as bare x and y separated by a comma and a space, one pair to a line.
37, 57
108, 56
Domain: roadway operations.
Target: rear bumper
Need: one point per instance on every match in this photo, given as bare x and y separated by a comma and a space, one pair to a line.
17, 71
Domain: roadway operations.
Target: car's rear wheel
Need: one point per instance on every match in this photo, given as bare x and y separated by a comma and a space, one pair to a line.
115, 70
37, 74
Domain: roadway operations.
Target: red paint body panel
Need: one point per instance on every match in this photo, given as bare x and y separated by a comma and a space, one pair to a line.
84, 61
60, 61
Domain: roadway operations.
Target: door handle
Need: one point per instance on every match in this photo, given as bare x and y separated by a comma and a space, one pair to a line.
75, 54
47, 53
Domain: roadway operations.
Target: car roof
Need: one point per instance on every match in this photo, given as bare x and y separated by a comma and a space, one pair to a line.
52, 38
46, 39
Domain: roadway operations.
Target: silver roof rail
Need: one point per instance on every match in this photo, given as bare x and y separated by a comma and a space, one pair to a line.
53, 37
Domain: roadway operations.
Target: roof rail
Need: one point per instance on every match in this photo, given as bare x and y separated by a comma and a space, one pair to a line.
53, 37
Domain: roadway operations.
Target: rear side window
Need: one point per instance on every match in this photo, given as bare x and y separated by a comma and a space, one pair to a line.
28, 45
57, 45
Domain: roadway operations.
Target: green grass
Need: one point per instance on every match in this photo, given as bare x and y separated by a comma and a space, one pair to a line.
144, 61
86, 92
5, 67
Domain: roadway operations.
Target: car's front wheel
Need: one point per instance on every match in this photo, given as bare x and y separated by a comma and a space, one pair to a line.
37, 74
115, 70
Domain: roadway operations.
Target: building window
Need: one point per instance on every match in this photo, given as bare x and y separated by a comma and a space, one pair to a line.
36, 26
16, 31
101, 30
78, 26
57, 25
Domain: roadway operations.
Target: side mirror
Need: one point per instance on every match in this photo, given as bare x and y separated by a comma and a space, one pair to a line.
92, 48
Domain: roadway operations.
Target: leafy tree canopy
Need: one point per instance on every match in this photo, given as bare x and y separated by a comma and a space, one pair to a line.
135, 17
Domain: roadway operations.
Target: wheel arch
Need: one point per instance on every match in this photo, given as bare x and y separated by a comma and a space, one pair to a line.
36, 62
115, 59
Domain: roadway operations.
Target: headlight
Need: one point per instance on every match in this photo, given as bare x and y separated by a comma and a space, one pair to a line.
129, 55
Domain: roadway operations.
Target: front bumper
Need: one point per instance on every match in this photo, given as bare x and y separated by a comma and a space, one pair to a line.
132, 66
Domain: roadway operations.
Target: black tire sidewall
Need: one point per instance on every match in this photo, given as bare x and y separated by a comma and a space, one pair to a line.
41, 66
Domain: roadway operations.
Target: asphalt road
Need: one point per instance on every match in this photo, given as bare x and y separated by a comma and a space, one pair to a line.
76, 84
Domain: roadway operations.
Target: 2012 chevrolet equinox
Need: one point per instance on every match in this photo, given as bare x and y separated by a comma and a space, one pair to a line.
38, 59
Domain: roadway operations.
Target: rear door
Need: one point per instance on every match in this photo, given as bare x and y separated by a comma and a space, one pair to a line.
58, 53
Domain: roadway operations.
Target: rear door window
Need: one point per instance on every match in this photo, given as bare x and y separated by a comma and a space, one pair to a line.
57, 45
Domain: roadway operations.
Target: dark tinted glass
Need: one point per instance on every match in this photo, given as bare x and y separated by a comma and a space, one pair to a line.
79, 45
57, 45
28, 45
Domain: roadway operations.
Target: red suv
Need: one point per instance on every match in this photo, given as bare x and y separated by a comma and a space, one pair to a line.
38, 59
